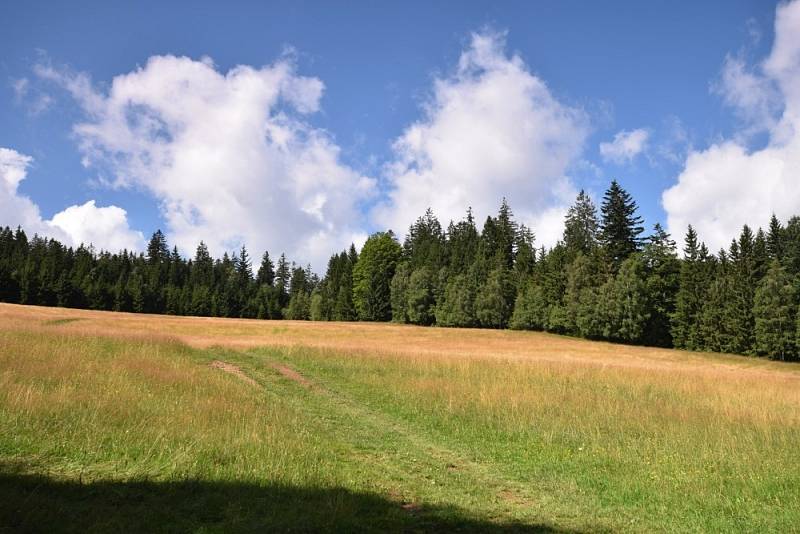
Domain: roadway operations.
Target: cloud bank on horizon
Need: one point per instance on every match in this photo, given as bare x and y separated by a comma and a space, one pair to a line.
233, 157
106, 227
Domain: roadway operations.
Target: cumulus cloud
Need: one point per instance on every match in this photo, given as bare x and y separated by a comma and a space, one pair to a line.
727, 184
491, 129
105, 227
230, 156
625, 146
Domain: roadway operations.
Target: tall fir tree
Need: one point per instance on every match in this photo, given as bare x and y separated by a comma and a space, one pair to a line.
775, 239
462, 244
424, 245
690, 296
266, 271
744, 279
457, 305
775, 311
494, 300
581, 226
663, 280
630, 301
620, 226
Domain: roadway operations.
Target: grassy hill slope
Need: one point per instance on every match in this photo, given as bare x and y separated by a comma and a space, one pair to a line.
114, 422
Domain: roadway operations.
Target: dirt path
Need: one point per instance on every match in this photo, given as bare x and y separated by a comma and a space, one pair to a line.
293, 375
235, 371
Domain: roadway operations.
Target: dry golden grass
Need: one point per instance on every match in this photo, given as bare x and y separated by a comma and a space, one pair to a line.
395, 340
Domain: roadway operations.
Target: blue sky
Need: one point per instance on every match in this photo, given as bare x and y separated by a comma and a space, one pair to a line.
375, 104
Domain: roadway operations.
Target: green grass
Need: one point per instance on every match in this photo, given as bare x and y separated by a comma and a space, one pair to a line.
111, 435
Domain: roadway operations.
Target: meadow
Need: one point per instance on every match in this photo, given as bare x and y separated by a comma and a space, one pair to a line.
131, 422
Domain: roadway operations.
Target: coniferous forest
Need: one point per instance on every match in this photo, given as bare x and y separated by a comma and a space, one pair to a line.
606, 279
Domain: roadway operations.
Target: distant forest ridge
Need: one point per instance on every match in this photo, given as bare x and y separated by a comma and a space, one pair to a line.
603, 280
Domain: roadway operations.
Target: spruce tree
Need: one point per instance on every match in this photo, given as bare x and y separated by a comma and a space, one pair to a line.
690, 296
744, 278
775, 311
244, 270
714, 331
462, 244
761, 259
506, 233
157, 249
551, 274
497, 237
581, 275
282, 276
420, 297
621, 226
630, 301
530, 309
791, 246
202, 272
524, 255
266, 271
580, 226
775, 239
399, 293
595, 318
424, 245
457, 305
663, 279
495, 299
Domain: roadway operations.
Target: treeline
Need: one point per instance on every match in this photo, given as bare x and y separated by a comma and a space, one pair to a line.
604, 280
45, 272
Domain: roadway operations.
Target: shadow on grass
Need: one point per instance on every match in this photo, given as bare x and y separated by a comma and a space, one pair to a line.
32, 503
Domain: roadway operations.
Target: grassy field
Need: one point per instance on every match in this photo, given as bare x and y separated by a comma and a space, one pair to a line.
118, 422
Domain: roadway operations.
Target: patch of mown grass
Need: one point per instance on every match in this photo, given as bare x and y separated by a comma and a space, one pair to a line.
639, 450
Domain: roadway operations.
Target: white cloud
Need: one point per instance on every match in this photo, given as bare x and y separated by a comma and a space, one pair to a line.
105, 227
626, 145
491, 129
754, 98
727, 185
230, 156
16, 209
